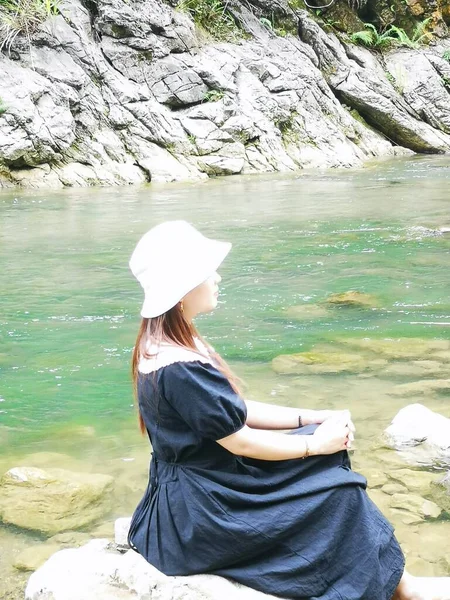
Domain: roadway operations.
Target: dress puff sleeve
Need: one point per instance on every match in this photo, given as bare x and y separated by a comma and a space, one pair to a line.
204, 399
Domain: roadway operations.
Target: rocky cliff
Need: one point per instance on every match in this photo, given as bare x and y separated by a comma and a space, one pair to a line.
128, 91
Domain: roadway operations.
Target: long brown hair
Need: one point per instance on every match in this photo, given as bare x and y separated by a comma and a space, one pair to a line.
172, 327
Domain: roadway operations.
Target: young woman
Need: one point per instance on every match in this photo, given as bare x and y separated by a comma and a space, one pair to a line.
227, 493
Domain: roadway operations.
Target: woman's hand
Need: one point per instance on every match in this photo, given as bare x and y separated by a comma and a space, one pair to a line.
320, 416
333, 435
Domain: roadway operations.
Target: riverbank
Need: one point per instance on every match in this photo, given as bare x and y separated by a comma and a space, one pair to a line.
130, 92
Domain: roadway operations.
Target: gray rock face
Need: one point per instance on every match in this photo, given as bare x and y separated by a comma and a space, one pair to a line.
359, 80
132, 94
97, 571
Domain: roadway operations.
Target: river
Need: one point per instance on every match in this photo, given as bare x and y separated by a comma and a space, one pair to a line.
70, 312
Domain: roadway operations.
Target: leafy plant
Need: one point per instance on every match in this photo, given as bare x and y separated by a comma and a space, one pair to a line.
446, 55
3, 107
213, 96
23, 17
213, 17
393, 36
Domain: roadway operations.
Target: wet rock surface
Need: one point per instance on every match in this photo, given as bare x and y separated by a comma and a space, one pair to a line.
133, 92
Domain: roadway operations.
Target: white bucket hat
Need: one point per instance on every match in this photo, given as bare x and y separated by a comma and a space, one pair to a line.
172, 259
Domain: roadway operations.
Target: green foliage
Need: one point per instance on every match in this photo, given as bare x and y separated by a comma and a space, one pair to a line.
392, 37
23, 17
446, 81
446, 55
213, 17
3, 107
287, 127
213, 96
390, 77
365, 37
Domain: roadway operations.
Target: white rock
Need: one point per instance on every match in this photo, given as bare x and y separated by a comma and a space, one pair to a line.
97, 571
121, 528
416, 425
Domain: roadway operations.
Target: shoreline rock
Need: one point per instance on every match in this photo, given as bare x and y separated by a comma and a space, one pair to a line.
132, 92
98, 571
53, 500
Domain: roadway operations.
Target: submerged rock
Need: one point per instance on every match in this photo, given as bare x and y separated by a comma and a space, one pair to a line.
352, 299
419, 507
53, 500
421, 388
35, 556
417, 482
399, 348
394, 488
417, 368
98, 571
441, 492
307, 312
323, 363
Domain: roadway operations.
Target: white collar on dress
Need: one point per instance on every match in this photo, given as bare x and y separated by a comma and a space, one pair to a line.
166, 354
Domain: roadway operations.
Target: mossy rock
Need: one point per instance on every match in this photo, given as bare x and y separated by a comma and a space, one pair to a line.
322, 363
352, 299
398, 348
53, 500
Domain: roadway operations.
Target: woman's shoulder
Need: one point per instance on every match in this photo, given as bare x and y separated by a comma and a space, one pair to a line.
165, 355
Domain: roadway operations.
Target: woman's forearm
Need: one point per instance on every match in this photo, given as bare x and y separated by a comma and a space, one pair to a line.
269, 416
268, 445
330, 437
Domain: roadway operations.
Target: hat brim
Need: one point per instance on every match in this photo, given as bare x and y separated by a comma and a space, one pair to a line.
217, 251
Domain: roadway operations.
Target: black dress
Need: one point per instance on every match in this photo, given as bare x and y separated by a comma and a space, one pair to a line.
302, 529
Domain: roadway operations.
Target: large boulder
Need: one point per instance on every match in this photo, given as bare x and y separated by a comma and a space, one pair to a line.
53, 500
416, 426
98, 571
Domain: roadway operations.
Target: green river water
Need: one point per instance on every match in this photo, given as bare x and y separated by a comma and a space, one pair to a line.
70, 312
